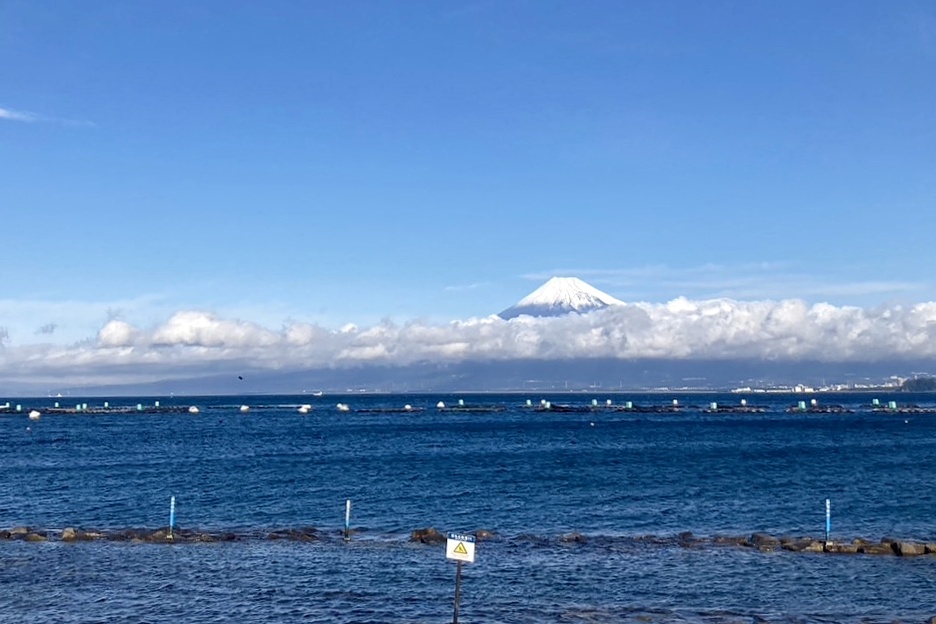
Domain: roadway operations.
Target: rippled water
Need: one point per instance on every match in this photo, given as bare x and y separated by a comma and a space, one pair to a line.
530, 476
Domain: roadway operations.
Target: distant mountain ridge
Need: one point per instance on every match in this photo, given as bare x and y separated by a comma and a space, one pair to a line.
560, 296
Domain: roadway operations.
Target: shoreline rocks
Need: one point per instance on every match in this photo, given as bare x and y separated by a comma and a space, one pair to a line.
430, 536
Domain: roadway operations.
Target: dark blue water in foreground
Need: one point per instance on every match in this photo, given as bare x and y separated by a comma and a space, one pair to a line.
530, 476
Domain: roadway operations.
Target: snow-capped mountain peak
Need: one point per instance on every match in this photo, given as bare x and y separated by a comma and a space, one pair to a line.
559, 296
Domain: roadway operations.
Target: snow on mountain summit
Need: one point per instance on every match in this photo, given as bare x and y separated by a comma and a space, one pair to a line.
559, 296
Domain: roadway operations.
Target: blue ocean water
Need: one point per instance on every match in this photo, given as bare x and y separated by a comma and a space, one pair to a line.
529, 476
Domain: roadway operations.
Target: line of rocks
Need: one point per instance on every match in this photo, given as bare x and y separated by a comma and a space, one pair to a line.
154, 536
763, 542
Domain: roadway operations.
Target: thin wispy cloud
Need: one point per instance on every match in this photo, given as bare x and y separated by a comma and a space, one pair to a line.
30, 117
466, 287
759, 280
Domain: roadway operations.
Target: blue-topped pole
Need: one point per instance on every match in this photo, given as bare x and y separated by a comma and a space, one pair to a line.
171, 514
828, 519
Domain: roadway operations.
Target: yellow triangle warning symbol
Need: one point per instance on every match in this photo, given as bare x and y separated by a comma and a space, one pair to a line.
460, 549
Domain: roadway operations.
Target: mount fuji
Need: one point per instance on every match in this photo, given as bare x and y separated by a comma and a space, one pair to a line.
560, 296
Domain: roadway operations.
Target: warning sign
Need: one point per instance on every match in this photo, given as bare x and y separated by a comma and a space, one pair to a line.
460, 547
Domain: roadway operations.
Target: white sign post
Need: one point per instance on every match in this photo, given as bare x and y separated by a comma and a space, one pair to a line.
461, 548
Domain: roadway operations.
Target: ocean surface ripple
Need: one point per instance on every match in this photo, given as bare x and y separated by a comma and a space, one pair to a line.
528, 475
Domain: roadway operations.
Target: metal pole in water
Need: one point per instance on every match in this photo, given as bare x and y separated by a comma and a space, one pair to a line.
457, 592
828, 519
347, 521
171, 514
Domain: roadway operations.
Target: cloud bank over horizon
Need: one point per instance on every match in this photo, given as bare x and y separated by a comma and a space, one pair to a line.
194, 343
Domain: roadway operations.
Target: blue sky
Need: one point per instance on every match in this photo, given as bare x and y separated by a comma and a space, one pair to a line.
346, 162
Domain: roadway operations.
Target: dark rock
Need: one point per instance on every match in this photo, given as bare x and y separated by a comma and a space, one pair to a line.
428, 535
842, 549
161, 535
573, 538
129, 535
930, 548
36, 537
19, 532
304, 534
484, 535
648, 539
876, 549
730, 540
764, 540
4, 534
798, 544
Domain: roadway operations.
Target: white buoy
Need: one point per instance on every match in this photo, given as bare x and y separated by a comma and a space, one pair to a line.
461, 402
343, 407
244, 408
814, 402
608, 402
675, 402
34, 415
529, 403
156, 404
440, 405
408, 408
193, 410
305, 409
743, 402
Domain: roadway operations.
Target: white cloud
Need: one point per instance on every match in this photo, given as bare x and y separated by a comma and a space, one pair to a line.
29, 117
192, 342
13, 115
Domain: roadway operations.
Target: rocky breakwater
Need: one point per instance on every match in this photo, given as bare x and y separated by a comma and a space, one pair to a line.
433, 536
858, 546
152, 536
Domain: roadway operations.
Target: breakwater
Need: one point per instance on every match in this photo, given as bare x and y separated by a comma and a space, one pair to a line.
757, 541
